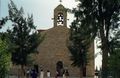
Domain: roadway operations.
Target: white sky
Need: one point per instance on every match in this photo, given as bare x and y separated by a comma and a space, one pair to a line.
42, 11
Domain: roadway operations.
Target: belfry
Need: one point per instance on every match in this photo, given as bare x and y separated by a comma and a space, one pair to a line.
53, 52
60, 16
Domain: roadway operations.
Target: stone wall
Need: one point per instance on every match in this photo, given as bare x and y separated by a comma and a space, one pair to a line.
54, 49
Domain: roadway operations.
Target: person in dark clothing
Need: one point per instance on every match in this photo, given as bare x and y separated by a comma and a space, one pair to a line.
33, 74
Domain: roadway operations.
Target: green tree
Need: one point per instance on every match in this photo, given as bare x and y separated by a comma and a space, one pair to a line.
114, 64
77, 49
97, 18
24, 37
3, 21
114, 56
5, 57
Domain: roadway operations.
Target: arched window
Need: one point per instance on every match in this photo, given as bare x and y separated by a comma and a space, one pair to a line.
60, 19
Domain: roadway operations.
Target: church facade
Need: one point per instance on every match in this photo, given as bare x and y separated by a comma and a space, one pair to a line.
53, 52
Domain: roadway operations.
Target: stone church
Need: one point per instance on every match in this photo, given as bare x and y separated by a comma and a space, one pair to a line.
53, 52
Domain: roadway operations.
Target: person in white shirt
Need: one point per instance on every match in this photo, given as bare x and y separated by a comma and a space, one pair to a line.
48, 74
66, 73
41, 74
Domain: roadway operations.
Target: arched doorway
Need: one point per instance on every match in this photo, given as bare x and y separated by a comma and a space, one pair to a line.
59, 68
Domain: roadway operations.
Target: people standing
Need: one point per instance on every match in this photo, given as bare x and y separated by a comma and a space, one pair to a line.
28, 73
57, 74
41, 74
66, 73
48, 74
63, 75
33, 73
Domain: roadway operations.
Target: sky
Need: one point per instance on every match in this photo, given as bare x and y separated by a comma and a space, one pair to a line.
42, 11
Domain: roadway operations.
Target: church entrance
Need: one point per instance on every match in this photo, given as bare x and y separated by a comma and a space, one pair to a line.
59, 68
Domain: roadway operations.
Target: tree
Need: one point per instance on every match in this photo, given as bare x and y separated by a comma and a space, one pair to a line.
114, 56
77, 48
114, 64
97, 18
24, 37
3, 21
5, 57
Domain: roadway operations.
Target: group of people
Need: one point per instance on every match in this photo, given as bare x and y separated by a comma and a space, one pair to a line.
64, 74
32, 73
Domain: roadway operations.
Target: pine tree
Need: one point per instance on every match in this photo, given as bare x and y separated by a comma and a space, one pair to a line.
114, 56
77, 48
4, 57
3, 21
24, 37
97, 18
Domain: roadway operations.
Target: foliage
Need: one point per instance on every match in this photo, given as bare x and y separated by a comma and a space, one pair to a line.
3, 21
23, 36
114, 63
77, 48
114, 57
96, 18
5, 58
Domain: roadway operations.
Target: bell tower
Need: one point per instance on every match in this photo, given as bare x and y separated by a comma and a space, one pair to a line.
60, 16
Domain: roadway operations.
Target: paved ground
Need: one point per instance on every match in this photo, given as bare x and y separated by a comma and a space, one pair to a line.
51, 77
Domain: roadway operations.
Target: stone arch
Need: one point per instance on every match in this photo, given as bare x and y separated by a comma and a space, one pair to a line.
59, 68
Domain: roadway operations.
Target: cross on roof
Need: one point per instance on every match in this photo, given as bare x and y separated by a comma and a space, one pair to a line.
60, 1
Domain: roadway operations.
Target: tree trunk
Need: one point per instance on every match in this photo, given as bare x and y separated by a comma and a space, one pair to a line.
22, 71
105, 51
105, 61
81, 72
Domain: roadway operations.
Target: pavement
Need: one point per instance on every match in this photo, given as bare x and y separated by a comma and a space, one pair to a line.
50, 77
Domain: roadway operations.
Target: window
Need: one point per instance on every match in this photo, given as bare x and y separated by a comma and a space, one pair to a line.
60, 19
